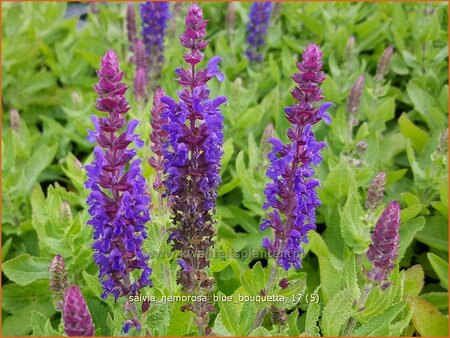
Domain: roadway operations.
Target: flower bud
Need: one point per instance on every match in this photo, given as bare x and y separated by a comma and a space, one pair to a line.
383, 63
76, 316
383, 250
15, 122
58, 279
376, 191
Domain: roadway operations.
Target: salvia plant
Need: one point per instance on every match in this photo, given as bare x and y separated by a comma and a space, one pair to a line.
258, 24
154, 18
192, 164
274, 170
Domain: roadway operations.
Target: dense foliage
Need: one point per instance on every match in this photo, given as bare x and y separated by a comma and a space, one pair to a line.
363, 272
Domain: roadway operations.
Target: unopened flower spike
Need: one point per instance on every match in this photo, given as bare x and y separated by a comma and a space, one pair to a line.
58, 279
158, 138
383, 250
141, 77
75, 313
376, 192
291, 195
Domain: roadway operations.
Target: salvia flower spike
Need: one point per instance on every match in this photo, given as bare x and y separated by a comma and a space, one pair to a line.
158, 138
154, 17
119, 199
383, 250
383, 63
292, 190
58, 279
75, 313
259, 20
192, 162
376, 192
354, 99
141, 76
131, 24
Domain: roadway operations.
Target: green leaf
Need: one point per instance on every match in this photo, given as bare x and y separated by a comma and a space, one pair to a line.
414, 280
427, 319
336, 312
407, 232
229, 312
292, 330
25, 269
379, 325
18, 299
339, 179
438, 299
254, 280
260, 332
440, 267
409, 130
93, 284
349, 279
38, 321
354, 232
312, 318
424, 104
435, 233
329, 266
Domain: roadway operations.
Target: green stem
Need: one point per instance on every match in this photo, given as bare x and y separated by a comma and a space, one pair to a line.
351, 323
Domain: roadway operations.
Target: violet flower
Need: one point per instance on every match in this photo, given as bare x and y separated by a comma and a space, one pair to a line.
259, 20
119, 200
292, 192
75, 313
383, 250
158, 138
192, 161
154, 17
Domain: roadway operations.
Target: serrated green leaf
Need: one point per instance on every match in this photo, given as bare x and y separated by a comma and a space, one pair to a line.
312, 318
260, 332
254, 280
356, 235
38, 321
349, 279
292, 329
379, 325
336, 312
438, 299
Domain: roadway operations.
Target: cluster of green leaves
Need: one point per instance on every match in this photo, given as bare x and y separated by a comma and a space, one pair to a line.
49, 64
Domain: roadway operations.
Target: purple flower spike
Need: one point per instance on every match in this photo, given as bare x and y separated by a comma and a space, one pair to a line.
75, 313
119, 200
131, 24
192, 162
259, 21
383, 250
154, 17
292, 192
158, 137
141, 78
